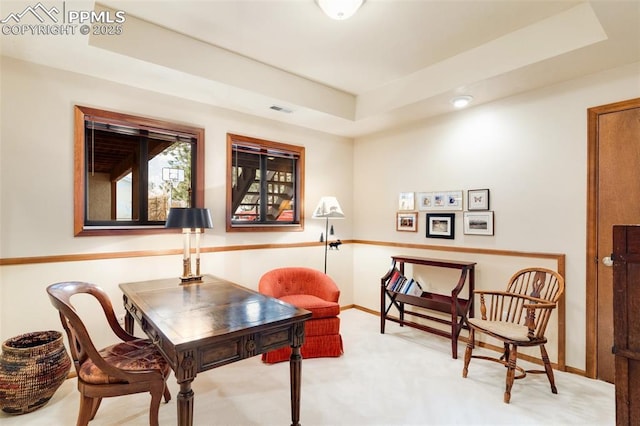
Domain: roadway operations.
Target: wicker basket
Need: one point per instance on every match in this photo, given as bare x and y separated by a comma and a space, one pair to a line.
32, 368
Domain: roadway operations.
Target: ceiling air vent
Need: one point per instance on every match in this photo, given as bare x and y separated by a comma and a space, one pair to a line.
281, 109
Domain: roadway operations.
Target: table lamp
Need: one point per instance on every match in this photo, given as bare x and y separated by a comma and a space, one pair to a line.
188, 219
328, 207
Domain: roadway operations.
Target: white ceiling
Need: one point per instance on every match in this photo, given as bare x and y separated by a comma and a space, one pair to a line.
394, 62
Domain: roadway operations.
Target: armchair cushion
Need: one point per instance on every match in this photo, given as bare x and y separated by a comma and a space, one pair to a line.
319, 308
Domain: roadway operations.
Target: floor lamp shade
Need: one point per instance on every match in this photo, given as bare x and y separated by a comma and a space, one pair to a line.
328, 207
188, 219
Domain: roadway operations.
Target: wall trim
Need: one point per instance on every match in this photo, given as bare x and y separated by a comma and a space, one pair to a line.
143, 253
78, 257
558, 257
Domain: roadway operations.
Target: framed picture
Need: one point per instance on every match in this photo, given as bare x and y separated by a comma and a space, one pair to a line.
425, 200
478, 199
441, 225
407, 221
478, 223
441, 200
406, 201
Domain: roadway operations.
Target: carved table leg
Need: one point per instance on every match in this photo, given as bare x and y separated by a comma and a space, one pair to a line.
295, 367
185, 404
128, 322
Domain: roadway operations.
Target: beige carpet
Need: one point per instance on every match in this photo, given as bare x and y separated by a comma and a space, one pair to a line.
404, 377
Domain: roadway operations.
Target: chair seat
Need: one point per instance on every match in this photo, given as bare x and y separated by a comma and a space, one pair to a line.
508, 330
319, 308
134, 355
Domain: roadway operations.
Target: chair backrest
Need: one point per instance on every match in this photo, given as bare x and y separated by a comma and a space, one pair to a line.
287, 281
540, 283
545, 285
80, 344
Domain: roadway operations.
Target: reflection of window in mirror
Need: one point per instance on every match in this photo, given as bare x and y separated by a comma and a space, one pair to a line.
129, 171
265, 185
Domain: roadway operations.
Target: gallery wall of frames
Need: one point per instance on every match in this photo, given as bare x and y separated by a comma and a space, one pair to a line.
441, 209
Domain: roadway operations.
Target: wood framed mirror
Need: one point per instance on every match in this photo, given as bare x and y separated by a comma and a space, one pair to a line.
130, 170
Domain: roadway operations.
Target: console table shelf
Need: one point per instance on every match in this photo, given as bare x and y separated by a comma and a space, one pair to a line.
459, 304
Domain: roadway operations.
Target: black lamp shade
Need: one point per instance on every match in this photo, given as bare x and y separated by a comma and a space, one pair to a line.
180, 217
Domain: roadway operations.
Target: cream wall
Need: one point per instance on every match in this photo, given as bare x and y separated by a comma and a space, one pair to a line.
36, 197
530, 150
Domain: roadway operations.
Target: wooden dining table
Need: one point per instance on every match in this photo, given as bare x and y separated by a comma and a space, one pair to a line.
203, 325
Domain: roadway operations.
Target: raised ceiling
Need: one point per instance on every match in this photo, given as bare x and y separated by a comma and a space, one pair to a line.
394, 62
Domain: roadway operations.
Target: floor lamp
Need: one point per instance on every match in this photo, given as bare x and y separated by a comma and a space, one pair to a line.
327, 208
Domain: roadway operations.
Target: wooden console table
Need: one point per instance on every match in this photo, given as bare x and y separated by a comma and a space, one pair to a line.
459, 306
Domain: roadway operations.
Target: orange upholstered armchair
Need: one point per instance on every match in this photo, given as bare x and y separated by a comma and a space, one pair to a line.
316, 292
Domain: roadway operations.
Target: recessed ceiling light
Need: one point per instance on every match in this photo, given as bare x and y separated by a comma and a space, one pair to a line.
461, 101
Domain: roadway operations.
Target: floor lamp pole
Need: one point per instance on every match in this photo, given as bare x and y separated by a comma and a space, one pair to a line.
326, 243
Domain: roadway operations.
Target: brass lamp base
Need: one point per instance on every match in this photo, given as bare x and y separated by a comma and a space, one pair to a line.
187, 275
191, 279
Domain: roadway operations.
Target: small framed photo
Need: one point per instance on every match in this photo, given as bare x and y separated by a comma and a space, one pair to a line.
406, 201
425, 201
478, 223
442, 200
453, 200
407, 221
441, 225
478, 199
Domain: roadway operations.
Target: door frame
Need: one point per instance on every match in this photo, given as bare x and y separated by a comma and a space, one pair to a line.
592, 260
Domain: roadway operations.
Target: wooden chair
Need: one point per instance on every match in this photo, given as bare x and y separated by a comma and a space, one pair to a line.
517, 317
132, 366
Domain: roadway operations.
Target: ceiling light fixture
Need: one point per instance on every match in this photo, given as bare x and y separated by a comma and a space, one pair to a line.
461, 101
340, 9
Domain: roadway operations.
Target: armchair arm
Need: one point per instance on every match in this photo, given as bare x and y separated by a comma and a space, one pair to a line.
327, 289
537, 329
516, 308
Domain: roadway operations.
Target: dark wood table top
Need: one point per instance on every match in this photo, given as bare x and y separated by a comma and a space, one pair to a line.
193, 312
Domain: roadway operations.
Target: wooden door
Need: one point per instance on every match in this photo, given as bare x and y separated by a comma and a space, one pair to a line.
613, 198
626, 300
